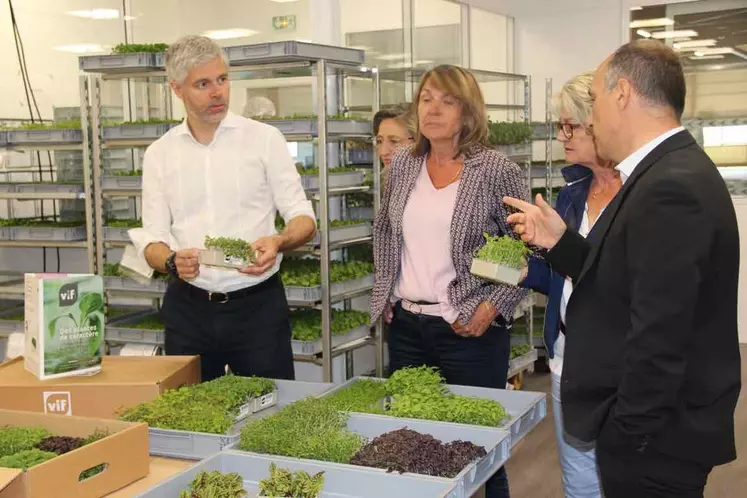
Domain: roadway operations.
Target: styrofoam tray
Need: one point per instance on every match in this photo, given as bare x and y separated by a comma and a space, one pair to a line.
335, 180
36, 137
495, 441
315, 347
196, 445
145, 131
113, 182
314, 294
59, 188
126, 283
216, 258
287, 51
525, 409
339, 481
49, 233
495, 272
516, 150
310, 127
117, 62
341, 234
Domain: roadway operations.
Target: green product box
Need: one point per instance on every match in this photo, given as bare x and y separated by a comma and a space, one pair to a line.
64, 324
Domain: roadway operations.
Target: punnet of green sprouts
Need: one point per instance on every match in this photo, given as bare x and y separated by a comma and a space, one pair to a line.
503, 250
232, 248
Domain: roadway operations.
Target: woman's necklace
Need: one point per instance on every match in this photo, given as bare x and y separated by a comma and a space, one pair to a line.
459, 171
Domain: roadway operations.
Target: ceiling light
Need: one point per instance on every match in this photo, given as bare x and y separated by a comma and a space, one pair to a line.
643, 33
227, 34
636, 7
96, 13
650, 23
82, 48
674, 34
694, 43
697, 57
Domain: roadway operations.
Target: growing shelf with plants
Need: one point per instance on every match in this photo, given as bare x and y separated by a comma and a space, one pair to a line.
340, 231
144, 129
44, 230
11, 321
60, 133
347, 326
115, 230
122, 180
302, 279
145, 327
116, 279
511, 138
341, 177
126, 57
338, 126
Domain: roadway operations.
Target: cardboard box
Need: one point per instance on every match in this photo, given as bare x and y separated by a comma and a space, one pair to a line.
124, 381
124, 454
64, 324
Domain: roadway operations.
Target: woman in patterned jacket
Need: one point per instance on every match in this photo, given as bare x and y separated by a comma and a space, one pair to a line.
441, 195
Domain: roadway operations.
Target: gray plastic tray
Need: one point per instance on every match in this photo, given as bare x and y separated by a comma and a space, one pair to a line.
521, 363
339, 481
195, 445
314, 294
59, 188
7, 187
495, 441
341, 234
288, 51
315, 347
112, 234
117, 330
145, 131
526, 409
335, 180
310, 127
6, 233
360, 156
60, 234
361, 213
36, 137
113, 182
117, 62
9, 326
516, 151
125, 283
3, 138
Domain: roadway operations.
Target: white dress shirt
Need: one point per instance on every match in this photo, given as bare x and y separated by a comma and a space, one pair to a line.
629, 164
229, 188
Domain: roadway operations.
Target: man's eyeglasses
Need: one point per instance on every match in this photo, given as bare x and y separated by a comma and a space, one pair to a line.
568, 129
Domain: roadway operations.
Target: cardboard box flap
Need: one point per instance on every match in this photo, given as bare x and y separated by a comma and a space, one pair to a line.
115, 370
7, 476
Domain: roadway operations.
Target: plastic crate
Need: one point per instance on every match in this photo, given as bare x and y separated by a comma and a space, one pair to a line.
113, 182
516, 151
525, 409
196, 445
360, 156
3, 138
9, 326
287, 51
146, 131
314, 294
60, 234
128, 284
7, 187
340, 481
343, 233
335, 180
361, 213
310, 127
117, 62
112, 234
117, 330
521, 363
48, 188
315, 347
6, 233
40, 137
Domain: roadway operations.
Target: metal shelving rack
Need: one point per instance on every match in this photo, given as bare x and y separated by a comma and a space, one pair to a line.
274, 65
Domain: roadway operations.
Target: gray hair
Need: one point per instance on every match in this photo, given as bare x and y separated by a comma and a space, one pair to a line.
574, 97
653, 69
188, 52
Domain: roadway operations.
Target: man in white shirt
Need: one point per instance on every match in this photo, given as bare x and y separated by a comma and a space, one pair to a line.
652, 364
221, 175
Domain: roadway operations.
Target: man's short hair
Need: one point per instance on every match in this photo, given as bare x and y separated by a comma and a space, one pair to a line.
188, 52
653, 69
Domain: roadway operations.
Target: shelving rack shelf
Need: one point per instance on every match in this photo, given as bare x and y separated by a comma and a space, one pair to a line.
274, 60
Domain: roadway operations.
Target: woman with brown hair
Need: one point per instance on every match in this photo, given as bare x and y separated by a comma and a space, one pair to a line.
442, 194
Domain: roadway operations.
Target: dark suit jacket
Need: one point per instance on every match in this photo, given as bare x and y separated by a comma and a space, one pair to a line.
652, 353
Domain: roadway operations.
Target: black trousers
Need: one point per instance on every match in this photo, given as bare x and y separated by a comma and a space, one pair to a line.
251, 334
416, 340
627, 473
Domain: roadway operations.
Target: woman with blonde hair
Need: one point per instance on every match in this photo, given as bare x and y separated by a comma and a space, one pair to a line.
591, 183
442, 194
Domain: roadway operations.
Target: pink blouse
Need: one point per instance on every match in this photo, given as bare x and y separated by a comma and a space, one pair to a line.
427, 268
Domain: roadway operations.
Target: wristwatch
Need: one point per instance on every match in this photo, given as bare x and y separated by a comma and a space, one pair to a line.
171, 265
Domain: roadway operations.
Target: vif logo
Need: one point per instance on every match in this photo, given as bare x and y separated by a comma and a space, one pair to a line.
58, 403
68, 294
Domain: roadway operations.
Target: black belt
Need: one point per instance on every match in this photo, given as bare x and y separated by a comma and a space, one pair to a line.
224, 297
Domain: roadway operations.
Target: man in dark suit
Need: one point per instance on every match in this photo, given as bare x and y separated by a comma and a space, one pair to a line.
652, 366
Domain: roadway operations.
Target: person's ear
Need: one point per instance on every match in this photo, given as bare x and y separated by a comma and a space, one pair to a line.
623, 93
176, 87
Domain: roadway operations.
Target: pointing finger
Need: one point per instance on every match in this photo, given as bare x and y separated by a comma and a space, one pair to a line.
518, 204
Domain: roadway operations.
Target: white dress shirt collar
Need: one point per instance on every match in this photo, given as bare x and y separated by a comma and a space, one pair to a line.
629, 164
230, 121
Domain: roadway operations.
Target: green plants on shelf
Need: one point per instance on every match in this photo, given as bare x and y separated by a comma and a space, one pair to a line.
520, 350
134, 172
306, 273
508, 133
280, 223
147, 322
16, 316
215, 484
113, 270
307, 324
132, 48
500, 259
314, 170
210, 407
283, 483
123, 223
331, 117
42, 223
68, 124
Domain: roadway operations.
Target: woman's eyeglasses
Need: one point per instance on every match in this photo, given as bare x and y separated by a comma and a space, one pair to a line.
568, 129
